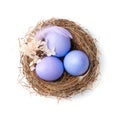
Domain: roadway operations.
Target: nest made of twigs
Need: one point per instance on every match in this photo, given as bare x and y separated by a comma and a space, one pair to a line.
67, 85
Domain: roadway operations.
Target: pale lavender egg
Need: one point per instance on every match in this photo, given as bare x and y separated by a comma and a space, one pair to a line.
57, 38
76, 62
60, 43
49, 69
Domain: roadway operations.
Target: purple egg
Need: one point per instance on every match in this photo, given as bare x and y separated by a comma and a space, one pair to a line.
60, 43
57, 38
76, 62
49, 69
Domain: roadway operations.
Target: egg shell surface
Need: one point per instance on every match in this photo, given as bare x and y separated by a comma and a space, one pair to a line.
60, 43
76, 62
49, 69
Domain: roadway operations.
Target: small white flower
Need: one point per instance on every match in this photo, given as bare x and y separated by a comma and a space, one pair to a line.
50, 52
30, 45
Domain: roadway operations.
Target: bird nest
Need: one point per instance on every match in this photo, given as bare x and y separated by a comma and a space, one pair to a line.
67, 85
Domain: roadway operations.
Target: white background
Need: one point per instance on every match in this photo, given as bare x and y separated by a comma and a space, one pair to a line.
100, 17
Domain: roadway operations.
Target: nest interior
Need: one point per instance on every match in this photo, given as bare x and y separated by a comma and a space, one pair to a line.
67, 85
